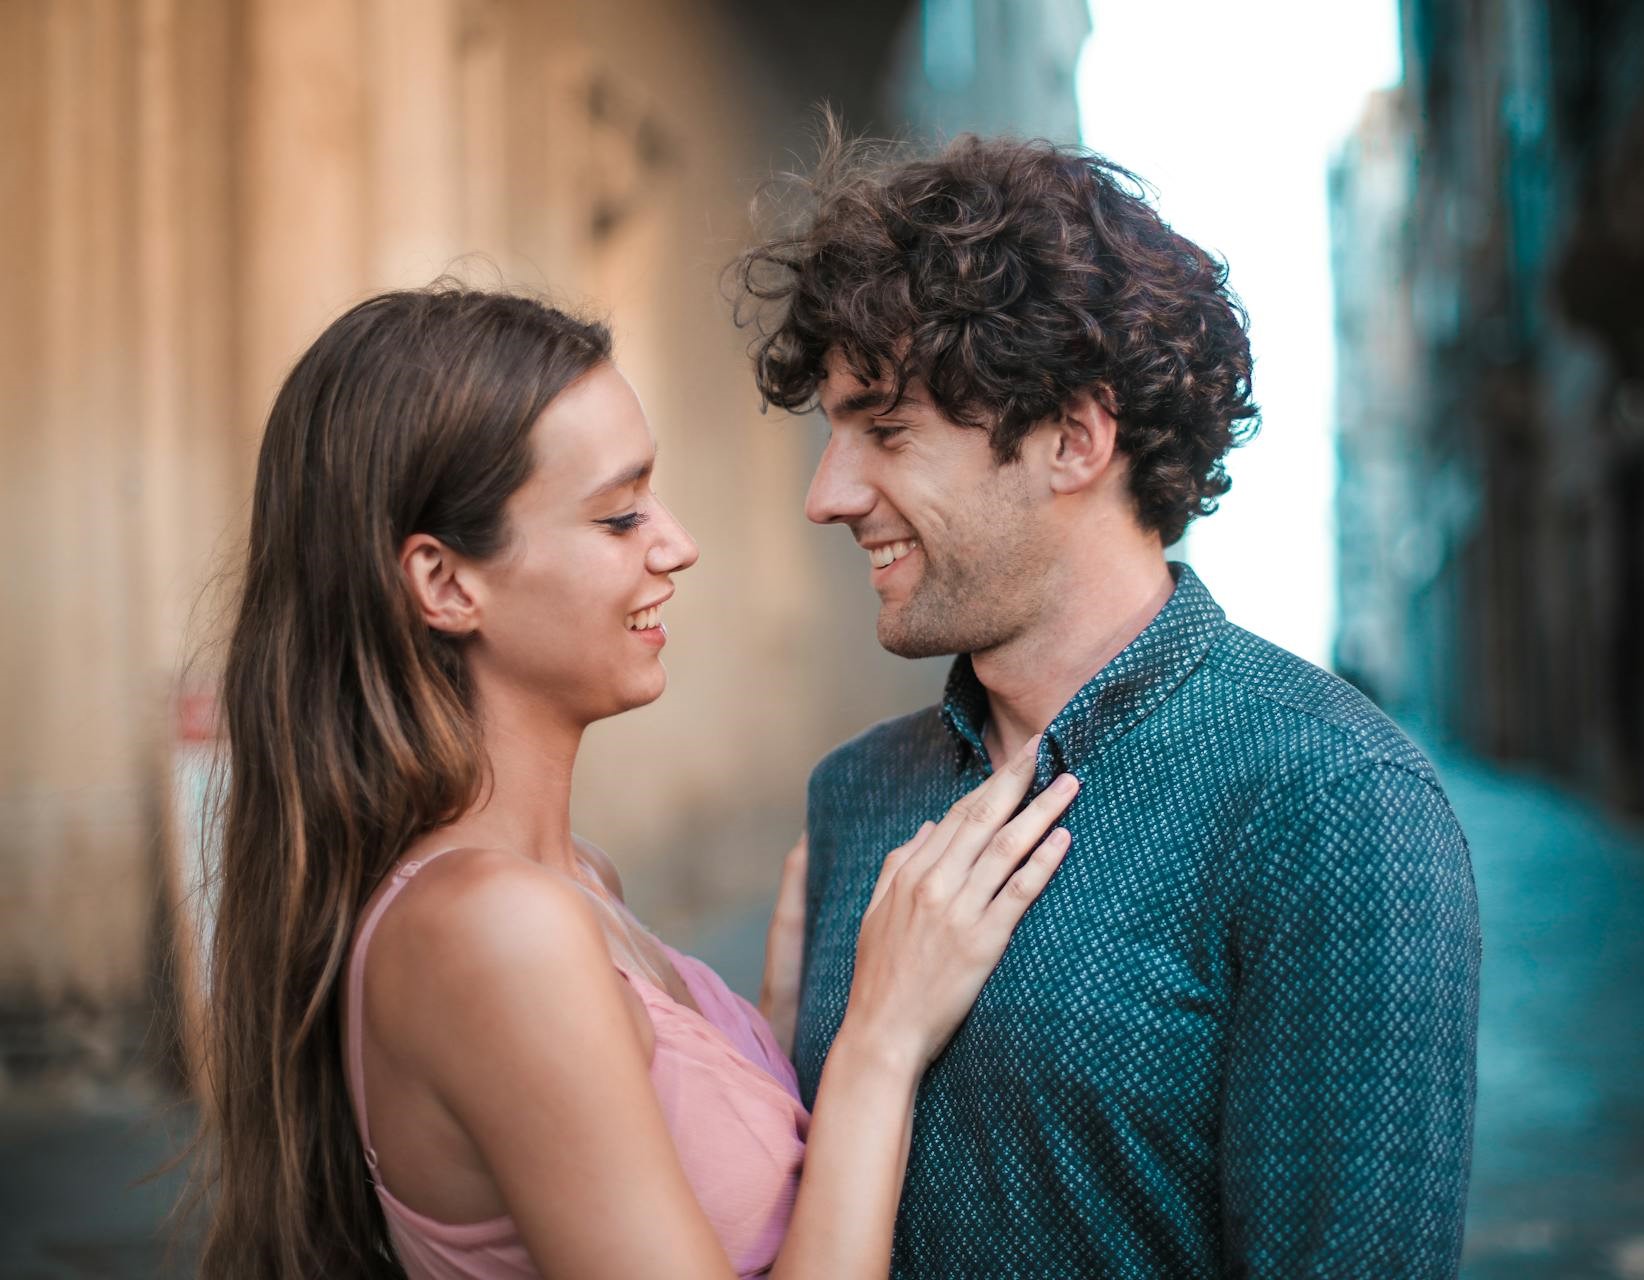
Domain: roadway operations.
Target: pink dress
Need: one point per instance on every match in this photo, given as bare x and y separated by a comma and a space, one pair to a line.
728, 1093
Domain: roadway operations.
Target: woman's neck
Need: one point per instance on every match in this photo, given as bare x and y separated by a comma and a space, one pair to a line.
526, 805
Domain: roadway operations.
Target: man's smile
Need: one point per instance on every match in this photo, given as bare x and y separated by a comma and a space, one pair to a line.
886, 554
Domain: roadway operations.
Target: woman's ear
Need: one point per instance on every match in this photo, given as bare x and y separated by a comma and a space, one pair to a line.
434, 573
1080, 444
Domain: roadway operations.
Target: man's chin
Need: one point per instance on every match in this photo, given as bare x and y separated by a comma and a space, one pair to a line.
896, 636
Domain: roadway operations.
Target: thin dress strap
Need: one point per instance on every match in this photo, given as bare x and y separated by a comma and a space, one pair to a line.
354, 1031
588, 881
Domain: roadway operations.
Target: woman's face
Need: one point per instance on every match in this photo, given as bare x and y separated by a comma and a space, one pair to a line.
570, 612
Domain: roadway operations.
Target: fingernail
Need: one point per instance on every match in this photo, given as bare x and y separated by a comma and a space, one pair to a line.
1065, 785
1032, 748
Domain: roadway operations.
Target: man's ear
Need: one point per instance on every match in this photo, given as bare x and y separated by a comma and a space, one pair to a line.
1080, 444
434, 573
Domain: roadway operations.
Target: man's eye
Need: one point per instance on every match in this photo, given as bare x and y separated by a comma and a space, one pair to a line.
884, 435
627, 523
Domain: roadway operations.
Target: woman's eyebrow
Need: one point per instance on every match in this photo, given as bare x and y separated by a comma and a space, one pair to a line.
630, 476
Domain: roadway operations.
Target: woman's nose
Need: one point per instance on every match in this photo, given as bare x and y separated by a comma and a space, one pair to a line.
674, 549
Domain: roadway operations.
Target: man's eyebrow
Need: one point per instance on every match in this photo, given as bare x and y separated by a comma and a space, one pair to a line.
631, 476
878, 401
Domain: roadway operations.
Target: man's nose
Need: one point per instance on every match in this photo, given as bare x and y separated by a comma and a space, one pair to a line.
839, 492
674, 549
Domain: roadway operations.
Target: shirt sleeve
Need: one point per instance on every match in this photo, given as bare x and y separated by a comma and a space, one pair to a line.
1347, 1117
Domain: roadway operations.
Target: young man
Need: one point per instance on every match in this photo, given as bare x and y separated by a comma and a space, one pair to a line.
1236, 1034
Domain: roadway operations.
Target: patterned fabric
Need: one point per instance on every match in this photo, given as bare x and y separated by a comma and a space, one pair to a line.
1236, 1034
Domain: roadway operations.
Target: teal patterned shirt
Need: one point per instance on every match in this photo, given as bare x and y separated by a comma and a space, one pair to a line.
1235, 1036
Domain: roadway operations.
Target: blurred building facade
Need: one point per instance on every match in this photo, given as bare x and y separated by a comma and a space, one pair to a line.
191, 189
1488, 243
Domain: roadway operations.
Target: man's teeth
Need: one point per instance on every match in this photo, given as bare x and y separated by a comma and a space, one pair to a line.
889, 554
645, 619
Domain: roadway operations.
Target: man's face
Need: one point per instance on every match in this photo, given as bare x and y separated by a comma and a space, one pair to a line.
955, 542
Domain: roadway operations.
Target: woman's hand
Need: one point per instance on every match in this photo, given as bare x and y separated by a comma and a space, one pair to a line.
944, 908
784, 949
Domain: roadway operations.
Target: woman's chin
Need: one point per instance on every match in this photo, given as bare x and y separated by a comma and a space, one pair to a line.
659, 688
641, 693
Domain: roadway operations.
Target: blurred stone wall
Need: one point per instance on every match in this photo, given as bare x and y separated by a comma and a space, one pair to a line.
189, 191
1489, 247
192, 188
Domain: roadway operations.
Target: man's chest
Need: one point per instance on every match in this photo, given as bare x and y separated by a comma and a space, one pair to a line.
1118, 970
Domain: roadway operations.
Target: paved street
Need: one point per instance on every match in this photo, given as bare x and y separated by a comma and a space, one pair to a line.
76, 1200
1558, 1183
1558, 1167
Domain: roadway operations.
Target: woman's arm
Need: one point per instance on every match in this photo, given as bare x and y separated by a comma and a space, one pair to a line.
523, 1028
855, 1161
521, 1025
940, 916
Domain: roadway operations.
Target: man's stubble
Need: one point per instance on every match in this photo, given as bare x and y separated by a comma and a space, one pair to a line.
980, 584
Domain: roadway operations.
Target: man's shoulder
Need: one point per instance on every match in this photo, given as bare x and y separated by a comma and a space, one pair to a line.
1336, 783
1326, 727
902, 744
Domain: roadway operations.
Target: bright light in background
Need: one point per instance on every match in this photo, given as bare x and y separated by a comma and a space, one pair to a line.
1232, 112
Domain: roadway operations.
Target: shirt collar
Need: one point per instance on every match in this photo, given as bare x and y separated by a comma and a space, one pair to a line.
1124, 692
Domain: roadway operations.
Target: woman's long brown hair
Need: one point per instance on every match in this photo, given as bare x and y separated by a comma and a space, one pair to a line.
350, 731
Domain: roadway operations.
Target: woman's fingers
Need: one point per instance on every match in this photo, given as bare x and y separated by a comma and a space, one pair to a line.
1021, 891
896, 859
923, 957
967, 827
1016, 839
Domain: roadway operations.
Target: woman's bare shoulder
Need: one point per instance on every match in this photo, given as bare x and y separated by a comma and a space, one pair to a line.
472, 918
491, 947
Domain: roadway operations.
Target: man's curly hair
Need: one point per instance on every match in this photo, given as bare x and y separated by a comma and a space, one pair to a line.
1007, 276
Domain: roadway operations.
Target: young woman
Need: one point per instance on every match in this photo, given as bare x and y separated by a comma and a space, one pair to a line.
441, 1045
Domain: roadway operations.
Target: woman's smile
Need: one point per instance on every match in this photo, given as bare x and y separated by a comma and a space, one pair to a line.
646, 623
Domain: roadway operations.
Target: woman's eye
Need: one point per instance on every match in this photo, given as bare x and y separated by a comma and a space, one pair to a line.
627, 523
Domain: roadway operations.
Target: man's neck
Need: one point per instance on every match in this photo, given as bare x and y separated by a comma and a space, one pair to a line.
1098, 610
